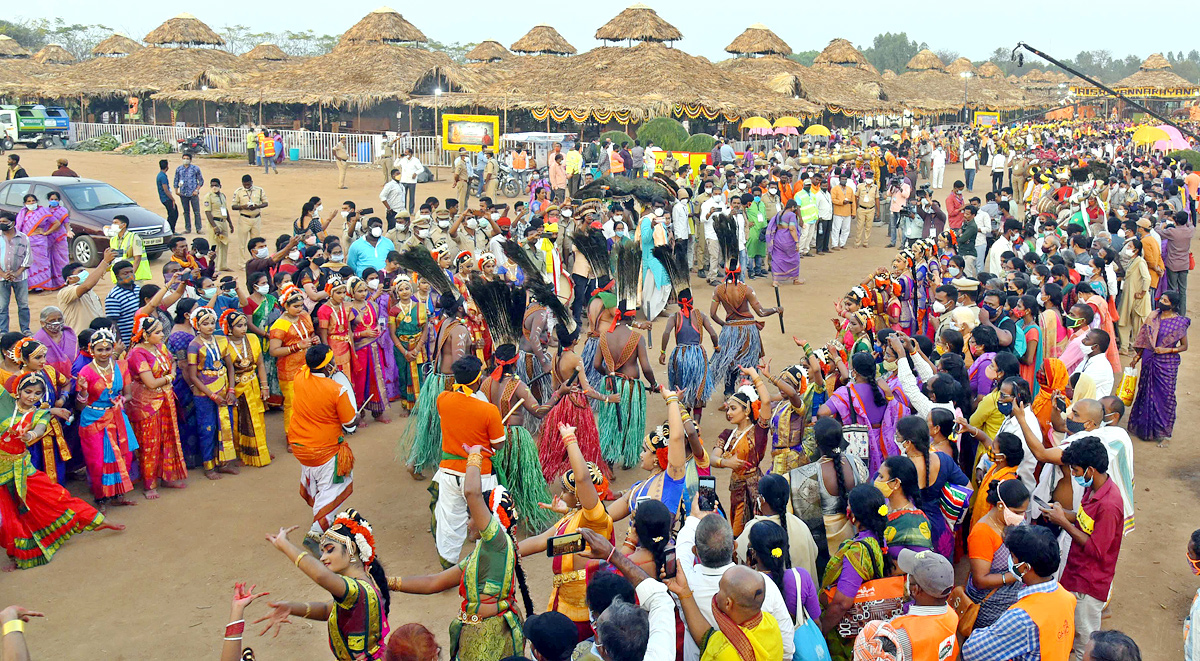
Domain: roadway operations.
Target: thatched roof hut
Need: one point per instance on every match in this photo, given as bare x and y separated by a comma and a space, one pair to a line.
638, 23
384, 24
543, 39
148, 70
888, 74
266, 52
184, 30
118, 45
848, 89
989, 70
53, 54
758, 39
10, 48
959, 66
488, 51
925, 60
1155, 79
840, 52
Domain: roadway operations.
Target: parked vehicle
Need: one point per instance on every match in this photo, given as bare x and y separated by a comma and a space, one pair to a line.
193, 145
32, 125
91, 205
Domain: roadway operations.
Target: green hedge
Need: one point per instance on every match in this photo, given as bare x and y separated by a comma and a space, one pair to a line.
665, 132
1189, 155
616, 136
699, 143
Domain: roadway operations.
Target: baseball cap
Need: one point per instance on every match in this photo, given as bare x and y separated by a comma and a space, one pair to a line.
1144, 223
929, 569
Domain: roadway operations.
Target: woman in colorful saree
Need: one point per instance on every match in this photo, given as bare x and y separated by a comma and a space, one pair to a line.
1160, 341
488, 625
291, 335
32, 221
51, 452
178, 341
62, 345
58, 244
741, 448
367, 367
105, 435
859, 559
250, 389
37, 516
351, 572
152, 408
406, 324
333, 322
209, 370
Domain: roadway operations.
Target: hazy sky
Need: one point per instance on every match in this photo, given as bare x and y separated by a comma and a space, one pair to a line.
973, 29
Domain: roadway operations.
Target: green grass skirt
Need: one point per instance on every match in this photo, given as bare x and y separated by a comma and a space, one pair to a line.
623, 425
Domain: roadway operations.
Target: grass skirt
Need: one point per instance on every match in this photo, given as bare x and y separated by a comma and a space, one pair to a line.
518, 469
741, 346
594, 377
622, 425
537, 379
687, 372
421, 441
571, 410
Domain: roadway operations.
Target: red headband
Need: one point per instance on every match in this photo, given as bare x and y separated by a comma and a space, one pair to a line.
621, 315
500, 365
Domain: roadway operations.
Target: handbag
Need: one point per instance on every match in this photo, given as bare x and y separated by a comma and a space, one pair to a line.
880, 599
1128, 387
856, 435
808, 640
954, 502
967, 609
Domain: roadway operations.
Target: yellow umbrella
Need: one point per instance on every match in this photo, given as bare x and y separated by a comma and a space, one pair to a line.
1148, 134
788, 121
756, 123
816, 129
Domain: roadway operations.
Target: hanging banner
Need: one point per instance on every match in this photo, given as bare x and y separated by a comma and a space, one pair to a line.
986, 118
471, 132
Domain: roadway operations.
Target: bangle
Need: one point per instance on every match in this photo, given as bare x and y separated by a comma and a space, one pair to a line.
301, 557
233, 630
475, 460
394, 582
307, 609
569, 439
607, 560
14, 626
685, 595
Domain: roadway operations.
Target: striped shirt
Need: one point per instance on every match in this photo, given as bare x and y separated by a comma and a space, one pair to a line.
120, 305
1014, 635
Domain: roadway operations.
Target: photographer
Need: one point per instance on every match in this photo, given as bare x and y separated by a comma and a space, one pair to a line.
898, 193
350, 220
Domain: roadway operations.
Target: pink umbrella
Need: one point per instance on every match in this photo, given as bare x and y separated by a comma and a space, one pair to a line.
1177, 140
762, 131
786, 130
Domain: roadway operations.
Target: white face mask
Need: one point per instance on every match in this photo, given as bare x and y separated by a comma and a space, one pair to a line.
423, 233
658, 212
741, 186
953, 270
1121, 233
495, 215
345, 214
424, 216
566, 213
472, 223
294, 255
31, 206
939, 307
443, 224
1042, 299
261, 253
110, 230
319, 209
263, 289
376, 232
1036, 279
372, 284
773, 191
336, 257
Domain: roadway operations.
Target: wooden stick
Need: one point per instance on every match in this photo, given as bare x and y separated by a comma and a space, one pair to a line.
779, 305
511, 411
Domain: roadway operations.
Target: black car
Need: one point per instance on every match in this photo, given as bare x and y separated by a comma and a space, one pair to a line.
91, 205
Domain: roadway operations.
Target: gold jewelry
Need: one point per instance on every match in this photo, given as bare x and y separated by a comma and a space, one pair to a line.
14, 625
301, 557
475, 460
393, 583
307, 609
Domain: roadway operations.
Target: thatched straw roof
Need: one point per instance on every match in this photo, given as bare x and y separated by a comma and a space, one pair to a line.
960, 65
150, 69
352, 75
1156, 74
116, 45
638, 23
10, 48
184, 30
849, 88
488, 51
267, 51
925, 60
646, 80
53, 54
758, 40
989, 70
840, 52
888, 74
1155, 61
384, 24
543, 39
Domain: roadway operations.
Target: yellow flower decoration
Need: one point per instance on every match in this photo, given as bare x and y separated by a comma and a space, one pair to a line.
883, 510
777, 553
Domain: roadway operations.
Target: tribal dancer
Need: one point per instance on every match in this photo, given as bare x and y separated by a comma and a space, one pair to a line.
741, 449
572, 410
250, 389
533, 360
622, 353
324, 414
37, 516
789, 418
421, 440
152, 408
589, 242
687, 369
50, 453
406, 323
349, 569
488, 625
464, 266
739, 341
105, 435
664, 456
902, 266
209, 370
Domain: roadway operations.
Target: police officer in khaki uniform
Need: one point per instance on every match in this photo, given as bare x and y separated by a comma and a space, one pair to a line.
341, 155
868, 199
491, 175
248, 201
216, 211
439, 230
461, 177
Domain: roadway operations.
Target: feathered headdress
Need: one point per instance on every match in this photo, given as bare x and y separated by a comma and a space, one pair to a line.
592, 245
518, 256
727, 237
418, 259
502, 307
629, 270
677, 273
544, 294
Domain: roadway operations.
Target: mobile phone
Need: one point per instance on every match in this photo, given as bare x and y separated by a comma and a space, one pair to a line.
708, 493
564, 544
1041, 503
669, 566
1061, 404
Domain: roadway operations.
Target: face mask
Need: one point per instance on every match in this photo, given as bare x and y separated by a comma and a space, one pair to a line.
1037, 279
1005, 408
741, 186
939, 307
424, 216
53, 203
423, 233
566, 213
992, 312
1121, 233
345, 214
495, 215
443, 224
1074, 427
263, 289
708, 189
336, 257
953, 271
1011, 518
884, 488
658, 212
294, 255
310, 241
187, 161
889, 366
1012, 567
1081, 480
209, 292
472, 223
82, 275
1088, 349
109, 230
376, 232
372, 284
774, 191
261, 253
319, 209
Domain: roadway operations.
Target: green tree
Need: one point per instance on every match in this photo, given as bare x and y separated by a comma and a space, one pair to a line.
892, 51
805, 57
26, 33
456, 51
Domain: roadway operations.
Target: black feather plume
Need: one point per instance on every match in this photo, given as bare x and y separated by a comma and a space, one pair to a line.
726, 230
502, 307
629, 269
677, 273
544, 294
594, 247
419, 260
516, 254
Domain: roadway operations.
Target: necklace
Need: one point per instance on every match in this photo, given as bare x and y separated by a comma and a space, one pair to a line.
210, 348
299, 326
241, 352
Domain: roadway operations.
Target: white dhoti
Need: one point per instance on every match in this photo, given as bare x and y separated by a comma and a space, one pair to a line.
324, 491
450, 513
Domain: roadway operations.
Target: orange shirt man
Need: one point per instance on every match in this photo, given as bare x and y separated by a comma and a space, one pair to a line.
929, 632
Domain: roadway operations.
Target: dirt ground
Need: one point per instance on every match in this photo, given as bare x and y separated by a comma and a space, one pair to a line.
162, 588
